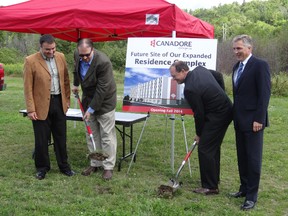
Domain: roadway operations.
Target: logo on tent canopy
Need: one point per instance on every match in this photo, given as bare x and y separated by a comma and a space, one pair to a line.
152, 19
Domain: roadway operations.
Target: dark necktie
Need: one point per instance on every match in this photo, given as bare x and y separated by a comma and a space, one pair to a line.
239, 72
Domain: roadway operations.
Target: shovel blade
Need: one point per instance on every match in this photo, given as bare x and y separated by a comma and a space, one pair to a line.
175, 184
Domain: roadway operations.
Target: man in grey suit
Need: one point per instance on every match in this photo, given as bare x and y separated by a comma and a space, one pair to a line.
212, 110
93, 70
251, 93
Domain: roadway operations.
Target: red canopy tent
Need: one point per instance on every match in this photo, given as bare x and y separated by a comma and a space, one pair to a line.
104, 20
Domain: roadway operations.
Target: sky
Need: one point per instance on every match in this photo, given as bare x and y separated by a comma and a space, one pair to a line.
9, 2
183, 4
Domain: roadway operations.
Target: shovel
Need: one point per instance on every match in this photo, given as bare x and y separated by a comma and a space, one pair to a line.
93, 155
174, 184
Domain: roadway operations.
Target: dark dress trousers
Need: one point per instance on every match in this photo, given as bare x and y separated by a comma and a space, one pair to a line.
212, 114
50, 109
251, 99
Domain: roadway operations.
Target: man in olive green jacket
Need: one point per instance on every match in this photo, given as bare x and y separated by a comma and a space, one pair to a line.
93, 70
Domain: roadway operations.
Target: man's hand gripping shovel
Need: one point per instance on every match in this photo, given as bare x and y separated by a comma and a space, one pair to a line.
95, 154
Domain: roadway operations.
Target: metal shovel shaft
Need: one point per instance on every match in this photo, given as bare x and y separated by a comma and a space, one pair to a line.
91, 137
93, 155
185, 159
174, 183
86, 123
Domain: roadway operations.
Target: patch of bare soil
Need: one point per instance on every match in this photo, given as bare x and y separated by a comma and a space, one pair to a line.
165, 191
97, 156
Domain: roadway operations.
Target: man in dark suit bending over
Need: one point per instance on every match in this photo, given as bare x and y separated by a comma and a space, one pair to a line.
251, 92
212, 114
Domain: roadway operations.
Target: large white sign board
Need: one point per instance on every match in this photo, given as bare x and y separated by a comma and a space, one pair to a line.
148, 86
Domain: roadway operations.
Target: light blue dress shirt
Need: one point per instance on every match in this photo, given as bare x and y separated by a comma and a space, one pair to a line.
84, 67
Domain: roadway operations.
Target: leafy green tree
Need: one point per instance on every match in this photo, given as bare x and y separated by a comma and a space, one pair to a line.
68, 48
1, 38
265, 21
10, 56
282, 49
116, 50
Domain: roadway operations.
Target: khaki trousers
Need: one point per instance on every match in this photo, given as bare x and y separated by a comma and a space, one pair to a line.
103, 129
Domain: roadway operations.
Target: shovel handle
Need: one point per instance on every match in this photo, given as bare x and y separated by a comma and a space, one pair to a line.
185, 159
82, 110
188, 155
86, 123
79, 102
190, 152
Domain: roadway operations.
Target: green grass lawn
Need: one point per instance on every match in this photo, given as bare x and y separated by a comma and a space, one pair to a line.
135, 193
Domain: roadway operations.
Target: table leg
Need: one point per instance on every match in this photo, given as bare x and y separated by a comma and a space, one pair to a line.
124, 134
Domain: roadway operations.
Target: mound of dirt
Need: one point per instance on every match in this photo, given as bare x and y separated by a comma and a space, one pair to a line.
97, 156
165, 191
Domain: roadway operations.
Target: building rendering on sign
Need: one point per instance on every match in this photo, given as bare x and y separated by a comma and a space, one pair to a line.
162, 90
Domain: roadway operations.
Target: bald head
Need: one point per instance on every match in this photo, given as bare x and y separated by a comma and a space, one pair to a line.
85, 42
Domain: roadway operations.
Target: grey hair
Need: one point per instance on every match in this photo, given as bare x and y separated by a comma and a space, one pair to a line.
246, 39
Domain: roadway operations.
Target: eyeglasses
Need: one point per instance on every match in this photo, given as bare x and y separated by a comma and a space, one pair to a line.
85, 55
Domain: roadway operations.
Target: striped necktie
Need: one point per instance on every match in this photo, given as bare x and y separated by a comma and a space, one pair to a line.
239, 72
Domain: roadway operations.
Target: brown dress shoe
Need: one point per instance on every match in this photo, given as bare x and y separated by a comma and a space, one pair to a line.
89, 170
107, 174
206, 191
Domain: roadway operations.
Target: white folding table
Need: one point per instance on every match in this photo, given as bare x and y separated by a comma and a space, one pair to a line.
124, 119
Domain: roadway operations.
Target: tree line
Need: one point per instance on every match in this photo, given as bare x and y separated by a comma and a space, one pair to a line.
265, 21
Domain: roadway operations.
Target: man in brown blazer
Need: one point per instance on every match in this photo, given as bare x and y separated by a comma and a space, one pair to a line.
47, 97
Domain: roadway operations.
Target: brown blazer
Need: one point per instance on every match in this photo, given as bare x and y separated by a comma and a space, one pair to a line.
37, 84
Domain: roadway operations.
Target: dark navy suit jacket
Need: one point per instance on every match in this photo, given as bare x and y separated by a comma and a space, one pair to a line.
209, 102
251, 95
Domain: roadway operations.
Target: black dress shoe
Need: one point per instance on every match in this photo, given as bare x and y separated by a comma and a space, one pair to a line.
237, 194
68, 172
40, 175
247, 205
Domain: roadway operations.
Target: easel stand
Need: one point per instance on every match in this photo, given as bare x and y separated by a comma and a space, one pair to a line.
186, 144
138, 142
172, 118
172, 142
